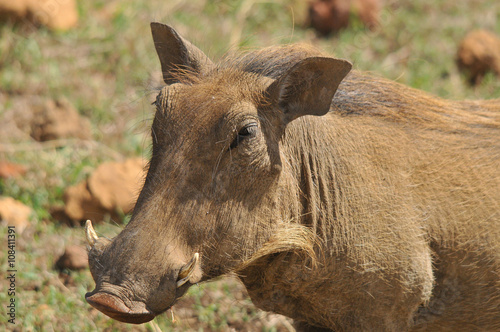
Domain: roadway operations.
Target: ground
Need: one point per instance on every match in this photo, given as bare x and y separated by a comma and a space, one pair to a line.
107, 69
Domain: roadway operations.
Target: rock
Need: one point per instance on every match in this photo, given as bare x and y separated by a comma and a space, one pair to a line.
8, 169
58, 119
14, 9
327, 16
112, 188
116, 185
35, 117
15, 213
79, 204
479, 53
369, 12
54, 14
74, 258
16, 119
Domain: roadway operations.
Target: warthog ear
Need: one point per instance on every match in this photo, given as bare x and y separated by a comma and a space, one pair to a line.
308, 87
176, 53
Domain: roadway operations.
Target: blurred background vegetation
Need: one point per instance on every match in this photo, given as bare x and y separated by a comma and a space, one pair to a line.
107, 68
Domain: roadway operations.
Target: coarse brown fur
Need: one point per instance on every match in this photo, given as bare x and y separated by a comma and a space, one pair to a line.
381, 215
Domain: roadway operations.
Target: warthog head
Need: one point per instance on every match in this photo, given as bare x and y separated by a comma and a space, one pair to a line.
211, 196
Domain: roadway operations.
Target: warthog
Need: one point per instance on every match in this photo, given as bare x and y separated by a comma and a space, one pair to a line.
376, 210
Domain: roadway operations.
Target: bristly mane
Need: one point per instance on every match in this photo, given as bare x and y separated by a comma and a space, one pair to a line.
359, 94
369, 95
271, 61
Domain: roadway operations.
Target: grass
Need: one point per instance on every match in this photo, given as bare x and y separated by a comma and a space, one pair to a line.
107, 68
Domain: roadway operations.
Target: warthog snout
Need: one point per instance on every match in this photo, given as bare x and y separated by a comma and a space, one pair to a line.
118, 296
135, 312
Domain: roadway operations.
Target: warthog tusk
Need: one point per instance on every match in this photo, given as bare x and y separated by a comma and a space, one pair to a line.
91, 234
187, 270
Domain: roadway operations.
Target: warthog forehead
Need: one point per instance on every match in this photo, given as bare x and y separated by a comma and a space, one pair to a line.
216, 115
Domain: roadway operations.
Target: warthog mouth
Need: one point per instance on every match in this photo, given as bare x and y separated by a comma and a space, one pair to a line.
114, 307
126, 310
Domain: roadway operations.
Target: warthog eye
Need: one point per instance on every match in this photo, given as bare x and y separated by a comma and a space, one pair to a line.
248, 131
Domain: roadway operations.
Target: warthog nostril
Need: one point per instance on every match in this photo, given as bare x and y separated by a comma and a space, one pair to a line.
115, 308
